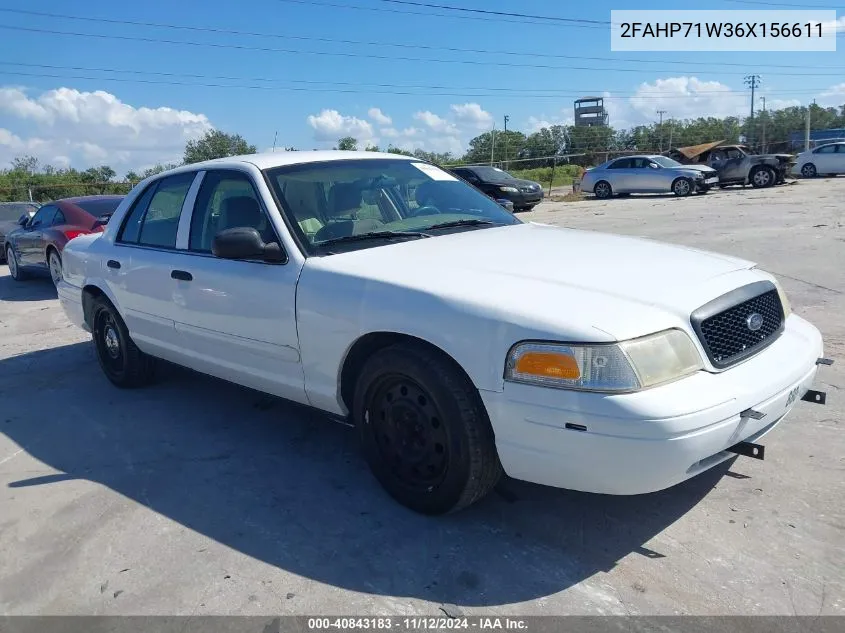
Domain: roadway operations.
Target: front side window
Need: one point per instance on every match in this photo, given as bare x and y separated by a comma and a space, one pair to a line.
330, 202
43, 217
826, 149
154, 218
226, 200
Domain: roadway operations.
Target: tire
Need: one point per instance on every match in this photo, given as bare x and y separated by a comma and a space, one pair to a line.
54, 264
762, 177
122, 362
602, 190
809, 171
424, 431
14, 266
683, 187
703, 189
623, 195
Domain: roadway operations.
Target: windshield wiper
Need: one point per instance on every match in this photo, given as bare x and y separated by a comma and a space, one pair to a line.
448, 225
371, 235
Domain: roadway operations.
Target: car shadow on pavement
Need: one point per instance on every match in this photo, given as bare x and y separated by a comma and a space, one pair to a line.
287, 486
33, 289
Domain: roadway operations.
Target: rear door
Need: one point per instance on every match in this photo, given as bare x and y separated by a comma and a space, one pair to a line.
838, 159
825, 159
619, 175
140, 273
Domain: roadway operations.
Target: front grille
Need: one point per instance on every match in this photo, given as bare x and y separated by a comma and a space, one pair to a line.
724, 325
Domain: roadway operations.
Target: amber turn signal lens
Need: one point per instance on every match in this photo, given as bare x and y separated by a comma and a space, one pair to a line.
549, 365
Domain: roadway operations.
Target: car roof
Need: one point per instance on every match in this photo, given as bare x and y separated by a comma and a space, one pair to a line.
268, 160
76, 199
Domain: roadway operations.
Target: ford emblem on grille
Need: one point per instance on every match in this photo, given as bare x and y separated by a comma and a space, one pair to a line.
754, 321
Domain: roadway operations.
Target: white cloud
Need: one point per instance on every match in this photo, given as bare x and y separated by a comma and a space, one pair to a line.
688, 97
436, 123
66, 126
379, 117
833, 96
331, 125
472, 115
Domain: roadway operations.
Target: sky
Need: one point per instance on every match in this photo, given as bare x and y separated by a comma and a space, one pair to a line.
96, 82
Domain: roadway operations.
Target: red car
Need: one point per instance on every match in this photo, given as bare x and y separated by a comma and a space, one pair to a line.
37, 245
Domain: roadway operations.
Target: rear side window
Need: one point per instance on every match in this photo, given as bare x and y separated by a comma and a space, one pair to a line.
59, 218
154, 218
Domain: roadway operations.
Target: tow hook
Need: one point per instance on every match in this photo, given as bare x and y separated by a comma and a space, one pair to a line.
816, 397
748, 449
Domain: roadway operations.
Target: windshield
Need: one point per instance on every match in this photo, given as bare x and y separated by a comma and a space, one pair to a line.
664, 161
329, 201
491, 173
13, 211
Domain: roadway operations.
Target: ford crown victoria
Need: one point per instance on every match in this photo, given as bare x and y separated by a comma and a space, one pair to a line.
461, 342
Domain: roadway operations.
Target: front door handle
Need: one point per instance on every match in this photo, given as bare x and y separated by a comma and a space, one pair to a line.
113, 264
181, 275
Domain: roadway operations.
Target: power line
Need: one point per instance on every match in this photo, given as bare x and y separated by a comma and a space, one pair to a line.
339, 5
332, 85
496, 13
206, 29
499, 64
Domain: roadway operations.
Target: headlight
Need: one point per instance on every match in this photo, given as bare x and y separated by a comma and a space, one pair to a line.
607, 367
784, 300
508, 189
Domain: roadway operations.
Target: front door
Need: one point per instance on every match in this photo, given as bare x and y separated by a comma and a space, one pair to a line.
29, 242
236, 319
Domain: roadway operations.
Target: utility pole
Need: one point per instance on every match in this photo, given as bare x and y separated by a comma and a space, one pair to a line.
764, 115
661, 113
275, 136
752, 81
807, 130
492, 142
507, 118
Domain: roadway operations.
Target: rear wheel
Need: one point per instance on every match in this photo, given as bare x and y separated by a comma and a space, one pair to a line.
14, 265
809, 171
682, 187
762, 177
424, 430
54, 262
602, 190
120, 359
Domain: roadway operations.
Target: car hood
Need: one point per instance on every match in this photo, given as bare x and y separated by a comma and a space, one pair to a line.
535, 274
511, 182
7, 226
702, 168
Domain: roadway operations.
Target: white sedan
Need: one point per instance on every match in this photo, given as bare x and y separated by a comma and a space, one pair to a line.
821, 161
459, 340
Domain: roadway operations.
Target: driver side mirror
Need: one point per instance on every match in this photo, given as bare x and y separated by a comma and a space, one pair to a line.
654, 165
23, 220
244, 242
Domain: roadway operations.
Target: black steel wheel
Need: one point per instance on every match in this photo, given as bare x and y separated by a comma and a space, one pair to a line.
120, 359
424, 430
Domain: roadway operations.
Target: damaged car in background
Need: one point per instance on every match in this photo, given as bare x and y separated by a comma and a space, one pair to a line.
736, 164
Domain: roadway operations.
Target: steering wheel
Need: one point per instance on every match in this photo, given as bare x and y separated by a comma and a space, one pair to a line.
425, 210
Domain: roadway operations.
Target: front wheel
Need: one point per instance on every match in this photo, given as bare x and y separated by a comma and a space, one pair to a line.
809, 171
682, 187
14, 265
762, 177
424, 430
120, 359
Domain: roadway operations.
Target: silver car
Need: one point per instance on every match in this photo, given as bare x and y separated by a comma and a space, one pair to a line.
647, 174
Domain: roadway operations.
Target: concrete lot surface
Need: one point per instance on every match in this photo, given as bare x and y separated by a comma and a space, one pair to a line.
198, 497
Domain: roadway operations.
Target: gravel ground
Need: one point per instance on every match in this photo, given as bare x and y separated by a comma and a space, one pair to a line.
198, 497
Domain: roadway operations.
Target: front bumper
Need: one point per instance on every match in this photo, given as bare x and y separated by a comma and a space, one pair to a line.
70, 298
522, 199
647, 441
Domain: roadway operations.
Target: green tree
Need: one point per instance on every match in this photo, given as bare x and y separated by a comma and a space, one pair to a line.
392, 149
372, 148
216, 144
347, 143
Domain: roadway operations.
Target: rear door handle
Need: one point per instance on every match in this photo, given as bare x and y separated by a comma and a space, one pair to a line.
113, 264
182, 275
